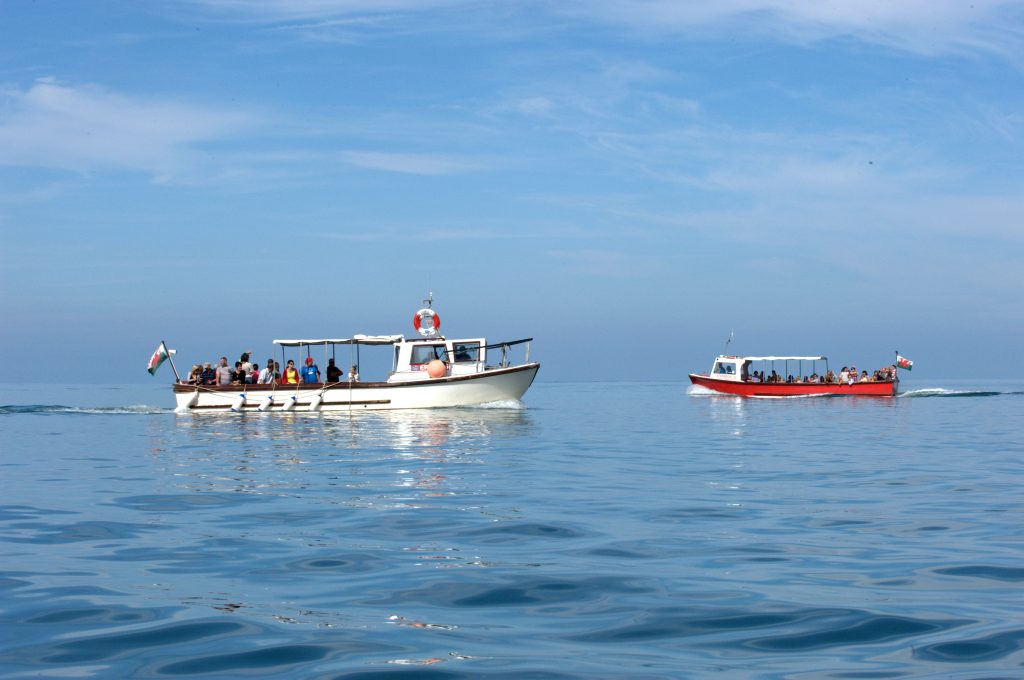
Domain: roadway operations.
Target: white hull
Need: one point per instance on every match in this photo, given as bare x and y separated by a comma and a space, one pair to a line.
478, 388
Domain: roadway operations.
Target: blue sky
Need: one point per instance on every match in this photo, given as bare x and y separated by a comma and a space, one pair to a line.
625, 181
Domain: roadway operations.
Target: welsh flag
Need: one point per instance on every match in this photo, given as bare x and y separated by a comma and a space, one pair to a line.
904, 363
159, 356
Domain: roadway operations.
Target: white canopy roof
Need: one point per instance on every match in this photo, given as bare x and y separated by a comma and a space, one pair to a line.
359, 339
777, 358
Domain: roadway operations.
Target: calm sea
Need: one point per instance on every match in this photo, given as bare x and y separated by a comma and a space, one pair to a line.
601, 530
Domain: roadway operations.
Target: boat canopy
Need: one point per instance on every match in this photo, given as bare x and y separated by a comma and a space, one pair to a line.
780, 358
359, 339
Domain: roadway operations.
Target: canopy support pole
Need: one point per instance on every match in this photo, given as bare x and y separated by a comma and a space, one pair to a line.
170, 360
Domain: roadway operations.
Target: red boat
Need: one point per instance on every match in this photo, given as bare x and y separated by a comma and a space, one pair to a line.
735, 375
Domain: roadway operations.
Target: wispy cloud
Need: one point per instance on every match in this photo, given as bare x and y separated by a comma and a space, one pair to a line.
309, 9
86, 127
606, 263
411, 163
925, 27
431, 233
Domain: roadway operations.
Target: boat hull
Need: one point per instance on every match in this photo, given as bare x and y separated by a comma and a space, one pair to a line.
487, 386
750, 389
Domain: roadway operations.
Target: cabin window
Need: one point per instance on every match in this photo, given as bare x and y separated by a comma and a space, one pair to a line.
466, 352
728, 369
424, 354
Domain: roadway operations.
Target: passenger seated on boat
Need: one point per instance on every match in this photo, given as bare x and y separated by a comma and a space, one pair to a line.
864, 376
353, 374
310, 372
253, 376
830, 377
291, 374
195, 376
774, 377
209, 376
333, 372
754, 377
239, 375
266, 376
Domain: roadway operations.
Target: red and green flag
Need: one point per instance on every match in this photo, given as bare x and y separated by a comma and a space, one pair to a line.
161, 355
904, 363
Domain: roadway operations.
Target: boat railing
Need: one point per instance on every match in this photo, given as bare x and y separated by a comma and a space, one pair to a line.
506, 346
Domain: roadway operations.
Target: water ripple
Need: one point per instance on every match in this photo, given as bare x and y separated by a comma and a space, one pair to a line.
985, 571
806, 629
108, 645
266, 659
988, 648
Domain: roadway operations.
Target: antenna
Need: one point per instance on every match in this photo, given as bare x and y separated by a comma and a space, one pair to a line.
429, 302
727, 342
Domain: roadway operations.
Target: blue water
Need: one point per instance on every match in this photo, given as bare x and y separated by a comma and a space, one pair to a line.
603, 530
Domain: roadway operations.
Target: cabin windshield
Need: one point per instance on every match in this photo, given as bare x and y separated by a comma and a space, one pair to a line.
424, 354
466, 352
725, 368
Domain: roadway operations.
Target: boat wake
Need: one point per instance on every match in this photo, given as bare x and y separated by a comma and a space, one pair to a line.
56, 409
514, 404
943, 392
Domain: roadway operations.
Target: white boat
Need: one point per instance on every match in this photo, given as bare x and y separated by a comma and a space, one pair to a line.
427, 372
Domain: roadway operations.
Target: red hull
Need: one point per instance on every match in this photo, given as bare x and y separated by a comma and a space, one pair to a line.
749, 389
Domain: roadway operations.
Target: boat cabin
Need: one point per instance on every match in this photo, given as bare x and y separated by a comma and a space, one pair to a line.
460, 357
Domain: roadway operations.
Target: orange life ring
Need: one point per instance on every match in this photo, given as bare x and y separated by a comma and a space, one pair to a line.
427, 322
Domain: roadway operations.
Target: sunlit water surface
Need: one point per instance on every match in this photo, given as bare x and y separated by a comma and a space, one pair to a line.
600, 530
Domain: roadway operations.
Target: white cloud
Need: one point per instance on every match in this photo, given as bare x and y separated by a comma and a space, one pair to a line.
410, 163
85, 127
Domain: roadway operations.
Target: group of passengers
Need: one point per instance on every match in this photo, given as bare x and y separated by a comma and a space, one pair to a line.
847, 376
245, 372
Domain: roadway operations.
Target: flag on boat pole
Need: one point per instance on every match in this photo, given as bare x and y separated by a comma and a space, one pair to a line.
904, 363
161, 355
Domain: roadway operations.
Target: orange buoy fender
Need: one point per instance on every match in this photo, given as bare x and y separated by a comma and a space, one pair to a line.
436, 369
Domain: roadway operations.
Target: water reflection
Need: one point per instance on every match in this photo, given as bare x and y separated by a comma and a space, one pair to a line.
409, 428
741, 412
291, 453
